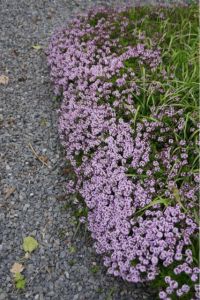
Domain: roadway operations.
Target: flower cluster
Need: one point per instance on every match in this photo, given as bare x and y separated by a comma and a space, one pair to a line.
130, 174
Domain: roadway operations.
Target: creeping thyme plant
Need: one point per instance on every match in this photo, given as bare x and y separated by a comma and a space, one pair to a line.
129, 123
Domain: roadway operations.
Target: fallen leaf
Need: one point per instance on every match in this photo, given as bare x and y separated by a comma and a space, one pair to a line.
37, 47
29, 244
61, 197
66, 171
43, 122
43, 158
4, 79
27, 255
16, 268
8, 192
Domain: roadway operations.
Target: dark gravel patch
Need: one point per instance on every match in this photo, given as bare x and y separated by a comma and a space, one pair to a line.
62, 266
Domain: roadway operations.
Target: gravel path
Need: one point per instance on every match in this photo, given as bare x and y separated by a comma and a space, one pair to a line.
62, 267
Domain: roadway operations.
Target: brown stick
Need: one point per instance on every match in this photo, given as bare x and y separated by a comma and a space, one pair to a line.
37, 156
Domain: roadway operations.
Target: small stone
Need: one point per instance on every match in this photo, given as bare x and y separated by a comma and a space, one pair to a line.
26, 206
51, 294
8, 167
62, 254
66, 274
3, 296
41, 296
27, 295
79, 288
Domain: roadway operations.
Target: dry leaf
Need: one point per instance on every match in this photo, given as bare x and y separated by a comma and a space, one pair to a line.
4, 79
27, 255
8, 192
66, 171
16, 268
61, 197
43, 158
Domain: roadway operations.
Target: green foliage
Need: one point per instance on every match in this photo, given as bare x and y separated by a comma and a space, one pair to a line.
61, 233
133, 262
99, 290
94, 269
195, 247
71, 262
29, 244
158, 200
93, 22
37, 47
79, 158
81, 212
110, 294
72, 250
182, 278
20, 281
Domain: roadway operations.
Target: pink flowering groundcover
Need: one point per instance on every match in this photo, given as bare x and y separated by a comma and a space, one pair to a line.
128, 80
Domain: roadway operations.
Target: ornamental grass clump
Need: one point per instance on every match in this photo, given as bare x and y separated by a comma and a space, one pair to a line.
128, 120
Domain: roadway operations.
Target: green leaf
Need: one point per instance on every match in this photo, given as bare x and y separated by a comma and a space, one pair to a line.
72, 250
21, 284
20, 281
133, 262
18, 276
158, 200
37, 47
29, 244
178, 198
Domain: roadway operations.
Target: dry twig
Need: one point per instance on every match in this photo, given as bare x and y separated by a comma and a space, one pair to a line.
42, 159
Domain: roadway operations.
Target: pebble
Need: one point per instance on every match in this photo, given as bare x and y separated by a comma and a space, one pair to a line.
79, 288
66, 274
26, 206
3, 296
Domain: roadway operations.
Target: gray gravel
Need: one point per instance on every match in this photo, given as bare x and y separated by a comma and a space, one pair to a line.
62, 266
